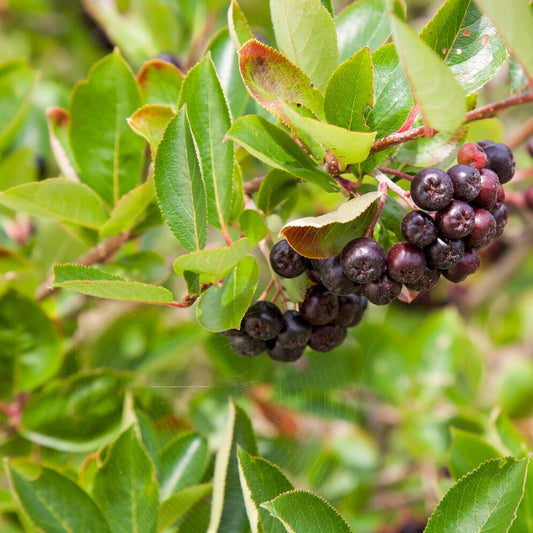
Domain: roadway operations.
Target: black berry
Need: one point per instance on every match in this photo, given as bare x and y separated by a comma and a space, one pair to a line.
488, 195
285, 261
500, 214
466, 182
286, 355
472, 154
351, 310
468, 265
327, 337
363, 260
500, 159
382, 291
484, 143
444, 253
427, 281
295, 331
243, 344
319, 305
528, 197
334, 278
418, 229
431, 189
456, 220
484, 229
405, 263
169, 58
262, 321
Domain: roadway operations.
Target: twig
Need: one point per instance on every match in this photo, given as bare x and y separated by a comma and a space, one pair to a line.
253, 185
525, 131
403, 194
394, 172
382, 188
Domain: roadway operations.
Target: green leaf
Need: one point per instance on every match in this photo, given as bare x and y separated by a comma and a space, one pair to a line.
484, 500
17, 167
58, 129
301, 511
226, 62
364, 23
393, 99
125, 487
53, 502
181, 502
17, 83
94, 282
210, 120
274, 147
514, 21
272, 79
349, 91
182, 463
308, 41
58, 198
228, 512
150, 122
442, 104
324, 236
108, 154
30, 351
214, 264
468, 451
76, 414
275, 188
328, 6
180, 187
128, 210
159, 82
517, 76
467, 42
253, 225
238, 26
222, 308
261, 481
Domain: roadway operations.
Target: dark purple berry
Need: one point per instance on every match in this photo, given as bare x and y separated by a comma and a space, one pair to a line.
500, 198
484, 143
351, 310
285, 261
427, 281
484, 229
313, 269
444, 253
382, 291
284, 354
327, 337
419, 229
500, 159
363, 260
243, 344
466, 182
334, 278
295, 331
169, 58
405, 263
432, 189
472, 154
528, 197
262, 321
456, 220
488, 195
500, 214
319, 305
468, 265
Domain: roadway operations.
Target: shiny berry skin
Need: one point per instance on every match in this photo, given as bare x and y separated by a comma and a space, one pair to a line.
319, 305
285, 355
295, 331
500, 159
466, 182
405, 263
488, 196
351, 310
285, 261
334, 278
432, 189
473, 155
382, 291
500, 198
528, 197
427, 281
468, 265
500, 214
418, 229
243, 344
456, 220
484, 229
327, 337
363, 260
262, 321
444, 253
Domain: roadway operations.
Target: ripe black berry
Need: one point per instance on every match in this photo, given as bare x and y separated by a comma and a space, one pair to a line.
351, 310
500, 159
500, 197
427, 281
444, 253
327, 337
243, 344
418, 229
286, 355
466, 182
170, 58
262, 321
456, 220
295, 331
484, 229
484, 143
472, 154
528, 197
500, 214
319, 305
363, 260
432, 189
382, 291
285, 261
334, 278
405, 263
468, 265
488, 195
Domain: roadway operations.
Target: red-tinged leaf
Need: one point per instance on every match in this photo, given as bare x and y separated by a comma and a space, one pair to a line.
272, 79
326, 235
159, 82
